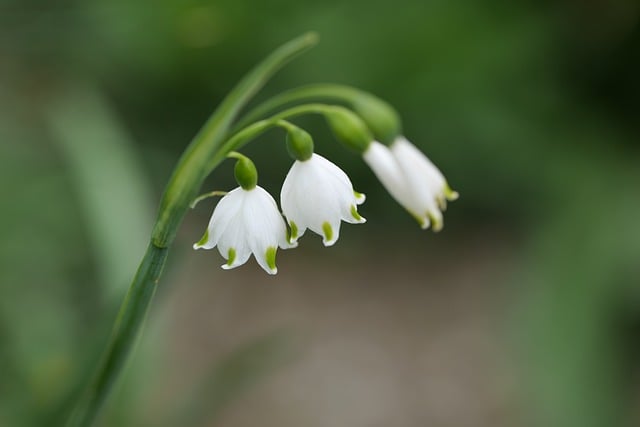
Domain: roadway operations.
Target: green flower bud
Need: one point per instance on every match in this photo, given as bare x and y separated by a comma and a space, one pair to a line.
380, 117
349, 129
299, 143
245, 172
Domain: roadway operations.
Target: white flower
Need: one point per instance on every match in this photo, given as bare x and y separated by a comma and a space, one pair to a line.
412, 179
317, 195
245, 222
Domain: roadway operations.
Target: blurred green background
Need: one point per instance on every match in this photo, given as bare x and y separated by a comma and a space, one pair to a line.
524, 311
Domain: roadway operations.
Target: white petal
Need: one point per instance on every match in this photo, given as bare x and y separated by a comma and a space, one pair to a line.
414, 161
310, 200
332, 172
264, 226
289, 183
234, 237
352, 216
384, 165
225, 211
316, 192
239, 260
263, 259
330, 233
425, 180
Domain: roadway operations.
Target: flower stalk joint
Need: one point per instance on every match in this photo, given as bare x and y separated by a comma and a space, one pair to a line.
380, 117
244, 171
349, 129
299, 143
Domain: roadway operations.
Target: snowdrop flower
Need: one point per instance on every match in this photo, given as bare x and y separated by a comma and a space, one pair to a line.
412, 179
418, 167
317, 195
246, 221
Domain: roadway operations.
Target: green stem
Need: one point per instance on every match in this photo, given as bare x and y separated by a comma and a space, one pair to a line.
379, 116
183, 185
243, 136
191, 169
129, 320
204, 196
321, 91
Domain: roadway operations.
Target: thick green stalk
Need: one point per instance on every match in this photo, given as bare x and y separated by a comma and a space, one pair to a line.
181, 190
191, 169
130, 318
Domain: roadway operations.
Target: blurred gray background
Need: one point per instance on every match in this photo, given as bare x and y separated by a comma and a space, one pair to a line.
523, 311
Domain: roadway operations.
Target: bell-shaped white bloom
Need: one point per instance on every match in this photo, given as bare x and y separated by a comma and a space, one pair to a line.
246, 222
317, 195
412, 179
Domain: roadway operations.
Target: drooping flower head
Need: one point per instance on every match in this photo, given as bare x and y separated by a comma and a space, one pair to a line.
246, 221
412, 179
420, 170
409, 176
317, 194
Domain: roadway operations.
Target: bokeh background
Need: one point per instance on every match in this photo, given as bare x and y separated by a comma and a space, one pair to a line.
523, 311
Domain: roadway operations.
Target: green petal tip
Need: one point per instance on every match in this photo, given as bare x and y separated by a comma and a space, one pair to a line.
355, 214
328, 232
271, 258
232, 257
202, 240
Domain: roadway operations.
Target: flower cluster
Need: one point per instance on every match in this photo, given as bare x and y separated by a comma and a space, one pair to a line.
317, 195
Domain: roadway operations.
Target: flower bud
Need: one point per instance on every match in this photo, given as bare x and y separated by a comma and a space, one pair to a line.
379, 116
299, 143
245, 172
349, 129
